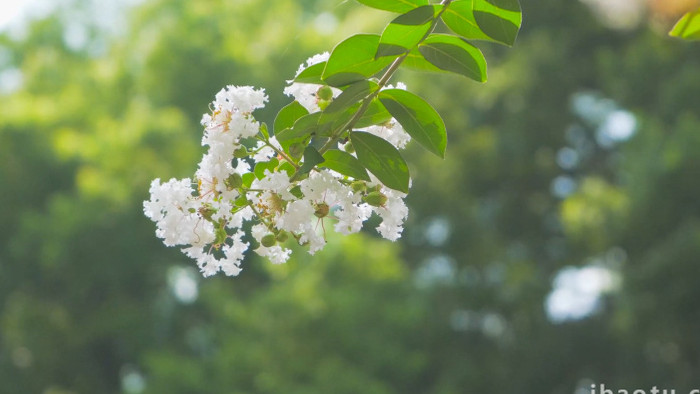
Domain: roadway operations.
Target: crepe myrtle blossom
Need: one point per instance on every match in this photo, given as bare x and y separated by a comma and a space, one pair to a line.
245, 193
333, 158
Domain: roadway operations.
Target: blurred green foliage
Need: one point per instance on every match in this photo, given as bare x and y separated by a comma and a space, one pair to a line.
86, 290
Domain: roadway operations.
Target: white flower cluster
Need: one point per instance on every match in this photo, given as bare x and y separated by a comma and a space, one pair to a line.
246, 176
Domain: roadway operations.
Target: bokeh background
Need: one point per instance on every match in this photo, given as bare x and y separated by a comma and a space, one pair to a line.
557, 245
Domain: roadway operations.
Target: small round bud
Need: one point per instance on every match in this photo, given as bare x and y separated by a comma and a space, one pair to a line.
296, 150
375, 199
349, 148
322, 210
282, 236
358, 186
240, 152
268, 240
323, 104
234, 181
325, 93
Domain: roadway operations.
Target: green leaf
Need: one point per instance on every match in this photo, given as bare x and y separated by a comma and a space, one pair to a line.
296, 192
316, 124
415, 61
287, 138
381, 159
248, 179
418, 118
265, 165
353, 60
311, 159
688, 27
481, 20
494, 26
242, 200
453, 54
345, 164
331, 121
394, 5
459, 17
302, 131
304, 127
510, 5
311, 74
418, 16
353, 94
264, 131
375, 114
288, 168
406, 31
288, 115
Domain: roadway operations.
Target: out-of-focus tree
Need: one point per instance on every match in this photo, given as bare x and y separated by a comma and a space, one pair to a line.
91, 302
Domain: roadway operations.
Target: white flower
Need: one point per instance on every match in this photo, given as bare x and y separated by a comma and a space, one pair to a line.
174, 210
320, 186
276, 182
393, 214
240, 98
231, 119
207, 216
230, 265
230, 262
351, 216
206, 262
297, 216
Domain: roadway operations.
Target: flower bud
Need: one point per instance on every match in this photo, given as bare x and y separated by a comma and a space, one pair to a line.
323, 104
375, 199
358, 186
234, 181
282, 236
240, 152
322, 210
325, 93
268, 240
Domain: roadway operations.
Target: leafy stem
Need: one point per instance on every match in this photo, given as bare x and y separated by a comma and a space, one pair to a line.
260, 216
280, 153
338, 133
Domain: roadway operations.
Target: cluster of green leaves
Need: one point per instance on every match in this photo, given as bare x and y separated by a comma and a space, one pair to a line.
362, 65
688, 27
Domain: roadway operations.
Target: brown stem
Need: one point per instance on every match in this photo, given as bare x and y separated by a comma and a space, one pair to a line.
281, 153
